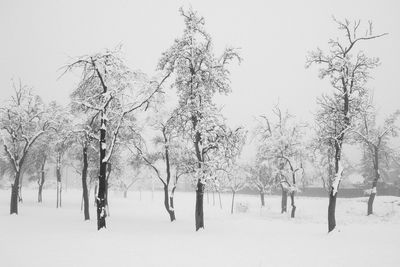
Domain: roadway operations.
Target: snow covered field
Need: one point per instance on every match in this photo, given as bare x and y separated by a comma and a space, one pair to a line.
139, 233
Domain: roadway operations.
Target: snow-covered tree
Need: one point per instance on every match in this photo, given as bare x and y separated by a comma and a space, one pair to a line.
111, 93
61, 136
375, 140
282, 141
165, 143
23, 120
348, 71
199, 75
263, 177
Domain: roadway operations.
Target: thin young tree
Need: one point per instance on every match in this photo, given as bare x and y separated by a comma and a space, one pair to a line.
348, 71
375, 140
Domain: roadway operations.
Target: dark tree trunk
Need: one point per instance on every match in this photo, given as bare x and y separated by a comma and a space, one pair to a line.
85, 193
125, 193
14, 194
233, 201
101, 194
171, 199
293, 213
213, 197
59, 185
199, 212
220, 202
106, 195
41, 181
332, 193
284, 200
262, 194
169, 210
374, 182
331, 211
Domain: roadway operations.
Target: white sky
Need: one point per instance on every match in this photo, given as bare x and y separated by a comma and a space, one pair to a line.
39, 37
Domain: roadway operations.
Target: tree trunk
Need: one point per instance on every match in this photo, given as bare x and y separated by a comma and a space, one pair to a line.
331, 211
233, 201
14, 194
213, 197
293, 213
170, 210
374, 182
284, 200
220, 202
262, 193
100, 201
85, 193
41, 181
199, 212
125, 193
171, 200
95, 194
59, 185
333, 191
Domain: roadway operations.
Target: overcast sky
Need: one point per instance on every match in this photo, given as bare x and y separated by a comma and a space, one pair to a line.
39, 37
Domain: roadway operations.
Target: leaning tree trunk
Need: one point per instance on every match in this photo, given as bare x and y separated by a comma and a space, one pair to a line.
374, 183
14, 194
262, 197
171, 200
169, 209
199, 212
233, 200
101, 194
85, 194
284, 200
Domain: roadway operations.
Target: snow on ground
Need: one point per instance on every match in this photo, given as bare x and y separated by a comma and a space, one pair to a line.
139, 233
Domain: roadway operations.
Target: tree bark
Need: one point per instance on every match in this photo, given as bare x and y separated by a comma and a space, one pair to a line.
333, 193
374, 182
220, 202
169, 210
14, 194
233, 201
199, 212
41, 181
262, 194
284, 200
331, 211
293, 213
125, 193
171, 200
85, 193
101, 194
59, 185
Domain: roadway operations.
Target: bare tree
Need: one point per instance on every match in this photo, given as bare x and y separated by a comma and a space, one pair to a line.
348, 72
111, 92
282, 143
375, 143
24, 119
